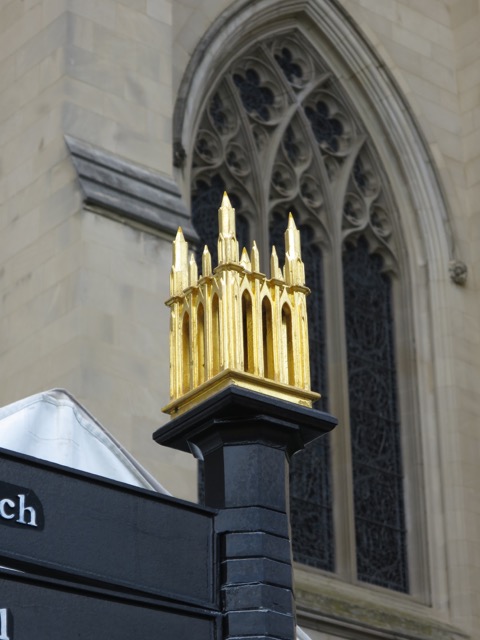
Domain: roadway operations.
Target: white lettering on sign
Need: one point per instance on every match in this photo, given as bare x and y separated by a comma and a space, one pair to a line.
4, 624
3, 509
11, 509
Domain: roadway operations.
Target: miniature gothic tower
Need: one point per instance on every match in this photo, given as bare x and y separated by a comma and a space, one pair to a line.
233, 326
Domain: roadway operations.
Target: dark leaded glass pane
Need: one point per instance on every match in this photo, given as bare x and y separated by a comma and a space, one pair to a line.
310, 478
255, 98
374, 421
217, 113
325, 128
243, 233
291, 69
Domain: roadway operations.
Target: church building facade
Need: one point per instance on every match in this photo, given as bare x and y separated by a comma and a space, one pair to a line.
122, 120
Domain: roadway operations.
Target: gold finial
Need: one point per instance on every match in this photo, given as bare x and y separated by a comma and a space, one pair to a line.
255, 257
292, 238
206, 262
233, 326
275, 271
245, 260
192, 271
227, 239
178, 274
294, 270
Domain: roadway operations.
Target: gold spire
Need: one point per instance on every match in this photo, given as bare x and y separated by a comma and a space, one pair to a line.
294, 270
178, 274
275, 271
192, 271
292, 237
206, 262
255, 257
245, 260
233, 326
227, 239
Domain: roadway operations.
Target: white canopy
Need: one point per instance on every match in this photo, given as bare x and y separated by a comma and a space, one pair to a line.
53, 426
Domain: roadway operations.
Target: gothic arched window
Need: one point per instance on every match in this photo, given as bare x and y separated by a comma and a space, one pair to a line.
279, 134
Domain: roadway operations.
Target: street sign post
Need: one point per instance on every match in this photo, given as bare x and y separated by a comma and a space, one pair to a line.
33, 607
68, 522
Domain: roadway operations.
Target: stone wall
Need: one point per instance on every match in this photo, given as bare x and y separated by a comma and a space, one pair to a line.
82, 286
81, 294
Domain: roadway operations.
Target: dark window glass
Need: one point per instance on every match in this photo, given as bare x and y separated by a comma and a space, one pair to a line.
326, 129
217, 113
310, 478
374, 421
237, 149
290, 68
255, 98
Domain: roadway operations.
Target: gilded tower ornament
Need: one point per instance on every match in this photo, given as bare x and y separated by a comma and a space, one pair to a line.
233, 326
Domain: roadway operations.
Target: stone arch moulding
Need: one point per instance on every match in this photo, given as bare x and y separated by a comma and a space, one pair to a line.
402, 149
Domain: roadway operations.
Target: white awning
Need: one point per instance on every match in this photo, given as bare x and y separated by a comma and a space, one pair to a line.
53, 426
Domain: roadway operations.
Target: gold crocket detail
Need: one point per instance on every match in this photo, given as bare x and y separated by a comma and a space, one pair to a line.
231, 325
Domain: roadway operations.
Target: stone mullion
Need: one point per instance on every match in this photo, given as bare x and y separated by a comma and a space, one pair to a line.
277, 136
341, 455
342, 182
297, 100
339, 403
344, 514
261, 174
256, 168
320, 165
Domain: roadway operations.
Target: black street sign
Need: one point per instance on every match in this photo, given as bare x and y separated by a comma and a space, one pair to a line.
57, 521
38, 608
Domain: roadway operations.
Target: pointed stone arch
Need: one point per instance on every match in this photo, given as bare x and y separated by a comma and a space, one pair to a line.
427, 243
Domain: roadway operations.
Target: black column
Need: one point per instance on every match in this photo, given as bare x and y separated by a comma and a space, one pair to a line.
246, 440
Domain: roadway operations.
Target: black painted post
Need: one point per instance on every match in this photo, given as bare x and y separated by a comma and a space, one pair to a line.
246, 440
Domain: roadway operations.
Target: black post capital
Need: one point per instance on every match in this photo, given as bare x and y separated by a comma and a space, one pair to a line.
246, 440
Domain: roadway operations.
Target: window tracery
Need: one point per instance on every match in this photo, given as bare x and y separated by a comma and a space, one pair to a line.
280, 135
374, 421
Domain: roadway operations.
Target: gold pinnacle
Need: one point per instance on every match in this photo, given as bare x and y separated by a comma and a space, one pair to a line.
192, 271
206, 262
233, 326
178, 274
294, 270
245, 260
255, 257
227, 239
